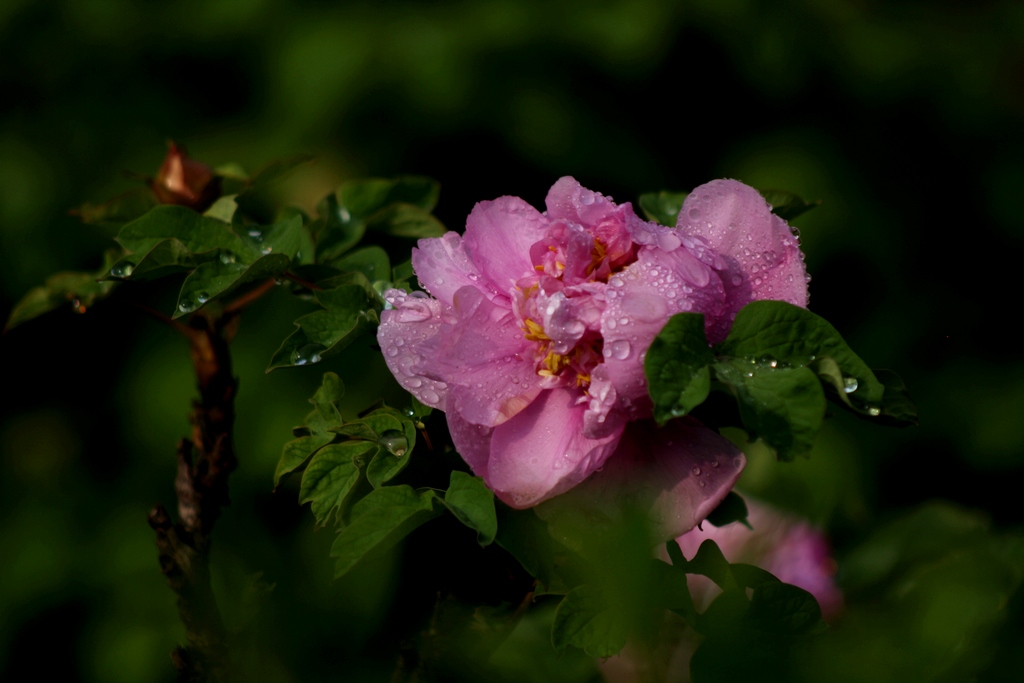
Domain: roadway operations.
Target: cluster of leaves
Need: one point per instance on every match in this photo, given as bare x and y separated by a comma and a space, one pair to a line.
781, 363
233, 244
347, 472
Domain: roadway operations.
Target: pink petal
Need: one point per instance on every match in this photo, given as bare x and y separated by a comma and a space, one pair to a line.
473, 442
483, 358
542, 452
604, 219
762, 255
640, 301
498, 238
443, 266
403, 330
679, 473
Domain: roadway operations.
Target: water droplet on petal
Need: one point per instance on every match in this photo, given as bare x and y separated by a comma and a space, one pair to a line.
736, 280
430, 396
850, 384
414, 382
696, 471
308, 354
714, 463
392, 351
694, 213
439, 281
394, 441
620, 349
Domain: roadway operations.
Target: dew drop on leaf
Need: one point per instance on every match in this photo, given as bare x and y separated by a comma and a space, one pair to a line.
203, 297
187, 306
395, 442
123, 269
305, 355
850, 384
874, 412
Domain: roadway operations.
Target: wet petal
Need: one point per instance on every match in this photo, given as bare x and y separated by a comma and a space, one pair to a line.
677, 473
473, 442
404, 328
542, 452
443, 267
640, 301
762, 256
498, 238
484, 360
608, 222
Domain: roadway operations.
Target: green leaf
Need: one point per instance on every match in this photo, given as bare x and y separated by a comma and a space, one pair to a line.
402, 272
678, 377
119, 210
373, 262
710, 562
732, 509
296, 452
278, 168
397, 438
363, 198
331, 475
350, 311
379, 521
584, 619
781, 608
326, 397
166, 257
662, 207
78, 291
223, 209
787, 205
336, 231
284, 237
472, 503
213, 279
776, 331
526, 538
897, 408
406, 220
783, 406
198, 233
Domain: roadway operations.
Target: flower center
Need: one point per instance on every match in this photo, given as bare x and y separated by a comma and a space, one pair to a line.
555, 270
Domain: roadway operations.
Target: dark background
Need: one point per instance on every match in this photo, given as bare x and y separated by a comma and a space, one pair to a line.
903, 117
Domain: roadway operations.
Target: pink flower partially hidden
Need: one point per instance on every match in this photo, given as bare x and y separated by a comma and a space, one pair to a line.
534, 340
785, 545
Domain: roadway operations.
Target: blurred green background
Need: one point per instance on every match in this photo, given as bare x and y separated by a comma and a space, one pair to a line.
904, 117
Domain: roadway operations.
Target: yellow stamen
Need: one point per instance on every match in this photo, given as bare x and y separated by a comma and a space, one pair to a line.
535, 332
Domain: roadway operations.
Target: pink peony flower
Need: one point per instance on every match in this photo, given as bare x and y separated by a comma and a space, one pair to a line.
534, 340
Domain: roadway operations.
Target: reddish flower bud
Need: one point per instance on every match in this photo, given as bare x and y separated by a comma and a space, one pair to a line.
185, 181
